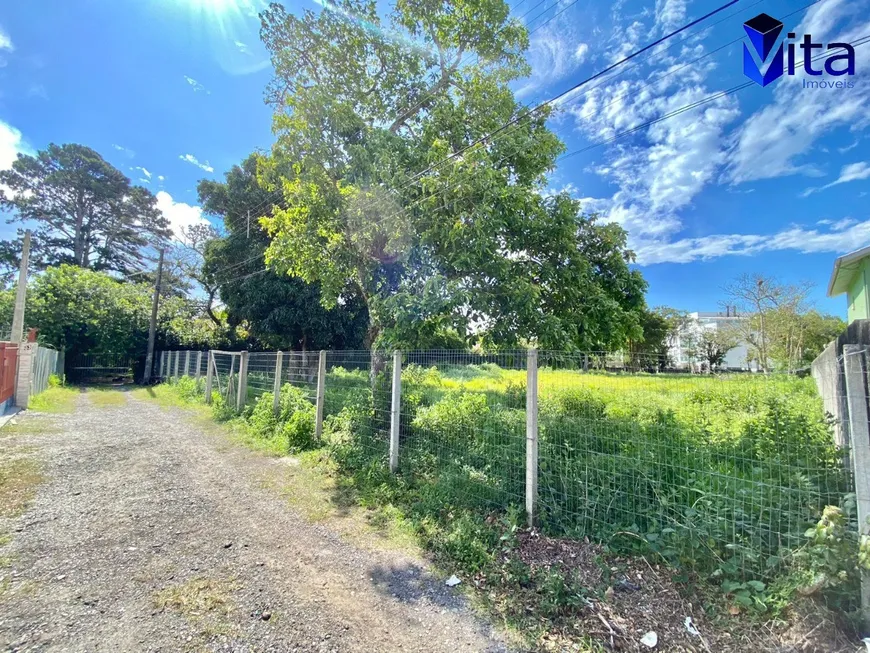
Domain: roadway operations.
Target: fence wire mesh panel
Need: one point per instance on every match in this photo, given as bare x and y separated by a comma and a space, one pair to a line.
463, 425
356, 407
44, 365
225, 381
726, 471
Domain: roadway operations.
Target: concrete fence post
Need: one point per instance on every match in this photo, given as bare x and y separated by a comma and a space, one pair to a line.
395, 411
276, 386
24, 376
177, 358
187, 363
209, 376
242, 396
531, 435
321, 395
855, 363
198, 365
162, 364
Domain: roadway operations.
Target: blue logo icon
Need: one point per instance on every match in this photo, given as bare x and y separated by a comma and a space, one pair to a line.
763, 31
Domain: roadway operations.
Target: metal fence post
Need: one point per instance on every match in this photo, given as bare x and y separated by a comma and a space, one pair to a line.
321, 394
177, 357
198, 365
209, 376
276, 387
187, 363
854, 359
531, 435
395, 410
242, 395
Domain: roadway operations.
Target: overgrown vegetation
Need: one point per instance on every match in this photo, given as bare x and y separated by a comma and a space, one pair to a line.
54, 399
733, 481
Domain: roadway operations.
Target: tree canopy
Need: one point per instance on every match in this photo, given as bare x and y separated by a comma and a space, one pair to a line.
78, 310
87, 211
276, 311
474, 247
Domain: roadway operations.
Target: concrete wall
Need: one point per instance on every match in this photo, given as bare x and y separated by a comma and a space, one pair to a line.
827, 371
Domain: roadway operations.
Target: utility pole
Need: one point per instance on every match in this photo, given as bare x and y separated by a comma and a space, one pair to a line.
21, 292
249, 224
152, 327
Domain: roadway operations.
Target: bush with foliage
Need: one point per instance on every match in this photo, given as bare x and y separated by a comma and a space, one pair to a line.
294, 422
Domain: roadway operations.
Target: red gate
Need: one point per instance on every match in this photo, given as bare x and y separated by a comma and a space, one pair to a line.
8, 365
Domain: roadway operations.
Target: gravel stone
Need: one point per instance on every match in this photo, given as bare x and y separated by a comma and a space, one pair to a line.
156, 506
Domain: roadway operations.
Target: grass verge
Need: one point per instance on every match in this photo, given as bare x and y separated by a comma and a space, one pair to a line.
56, 399
19, 477
106, 397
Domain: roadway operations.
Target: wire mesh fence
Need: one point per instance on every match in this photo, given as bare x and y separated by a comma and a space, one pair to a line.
722, 472
726, 470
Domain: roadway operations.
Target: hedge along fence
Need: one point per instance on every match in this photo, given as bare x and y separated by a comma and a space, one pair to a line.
723, 475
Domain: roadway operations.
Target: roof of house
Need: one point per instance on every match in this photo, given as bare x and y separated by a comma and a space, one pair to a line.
844, 268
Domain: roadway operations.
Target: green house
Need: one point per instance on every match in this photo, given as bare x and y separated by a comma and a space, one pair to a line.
851, 275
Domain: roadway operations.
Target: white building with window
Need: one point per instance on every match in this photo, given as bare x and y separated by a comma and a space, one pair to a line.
680, 345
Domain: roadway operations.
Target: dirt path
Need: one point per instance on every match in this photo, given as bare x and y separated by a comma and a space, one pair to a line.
150, 535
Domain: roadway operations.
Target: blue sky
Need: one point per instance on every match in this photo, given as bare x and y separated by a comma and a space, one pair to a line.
774, 180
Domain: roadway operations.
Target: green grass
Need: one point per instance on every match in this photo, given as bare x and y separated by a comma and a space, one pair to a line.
55, 399
106, 398
19, 478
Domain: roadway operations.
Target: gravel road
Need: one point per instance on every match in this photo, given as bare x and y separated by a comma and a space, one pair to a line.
149, 534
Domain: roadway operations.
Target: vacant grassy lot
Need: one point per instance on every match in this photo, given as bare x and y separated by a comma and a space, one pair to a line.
721, 477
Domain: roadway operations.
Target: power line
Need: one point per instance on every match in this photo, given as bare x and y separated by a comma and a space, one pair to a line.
526, 112
514, 122
636, 128
620, 135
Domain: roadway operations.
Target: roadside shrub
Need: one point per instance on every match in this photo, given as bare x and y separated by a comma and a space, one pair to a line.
54, 381
187, 388
294, 422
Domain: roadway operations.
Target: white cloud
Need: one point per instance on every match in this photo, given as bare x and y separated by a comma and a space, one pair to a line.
243, 48
581, 52
850, 172
123, 150
664, 167
197, 87
5, 41
843, 236
179, 214
552, 55
670, 15
11, 143
161, 178
777, 140
143, 171
192, 159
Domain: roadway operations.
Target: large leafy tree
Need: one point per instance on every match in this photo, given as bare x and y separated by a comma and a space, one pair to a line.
277, 311
86, 211
79, 311
473, 246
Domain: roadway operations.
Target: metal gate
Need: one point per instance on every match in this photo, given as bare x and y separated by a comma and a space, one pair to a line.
100, 368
